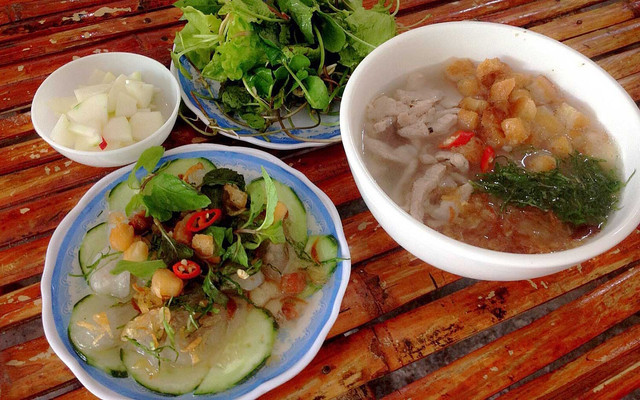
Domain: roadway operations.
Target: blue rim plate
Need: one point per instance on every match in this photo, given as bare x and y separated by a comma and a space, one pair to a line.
296, 344
207, 110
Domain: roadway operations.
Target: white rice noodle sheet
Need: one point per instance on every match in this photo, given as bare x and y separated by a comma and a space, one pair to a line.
385, 106
402, 154
422, 187
457, 160
401, 193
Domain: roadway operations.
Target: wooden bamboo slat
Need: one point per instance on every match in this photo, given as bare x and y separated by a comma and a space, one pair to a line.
90, 14
588, 21
71, 38
411, 336
386, 320
30, 369
14, 125
512, 357
536, 11
622, 64
615, 362
22, 261
608, 39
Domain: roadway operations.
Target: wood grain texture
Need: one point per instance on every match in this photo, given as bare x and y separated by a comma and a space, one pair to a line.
513, 356
56, 42
22, 261
622, 64
90, 14
573, 25
13, 125
20, 305
615, 360
30, 369
38, 217
382, 285
52, 177
535, 11
415, 334
608, 39
457, 11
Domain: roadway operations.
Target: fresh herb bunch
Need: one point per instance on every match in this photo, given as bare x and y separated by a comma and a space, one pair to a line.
579, 190
274, 57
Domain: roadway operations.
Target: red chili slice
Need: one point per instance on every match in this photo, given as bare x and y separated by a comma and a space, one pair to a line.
460, 138
186, 269
488, 159
103, 144
203, 219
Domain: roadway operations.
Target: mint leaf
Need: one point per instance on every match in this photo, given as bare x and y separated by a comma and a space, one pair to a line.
147, 160
141, 269
211, 290
237, 254
272, 199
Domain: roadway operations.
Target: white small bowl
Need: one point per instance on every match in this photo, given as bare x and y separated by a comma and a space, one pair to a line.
574, 73
63, 81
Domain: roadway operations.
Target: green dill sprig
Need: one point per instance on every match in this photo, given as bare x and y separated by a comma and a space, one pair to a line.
580, 191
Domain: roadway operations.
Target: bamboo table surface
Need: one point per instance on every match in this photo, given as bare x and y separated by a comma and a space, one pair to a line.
405, 329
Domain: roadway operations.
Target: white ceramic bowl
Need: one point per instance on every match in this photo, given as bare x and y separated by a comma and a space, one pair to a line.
526, 50
296, 344
65, 79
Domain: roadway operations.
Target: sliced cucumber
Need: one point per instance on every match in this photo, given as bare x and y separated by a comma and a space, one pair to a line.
295, 223
248, 344
168, 378
179, 166
94, 331
93, 244
324, 250
119, 196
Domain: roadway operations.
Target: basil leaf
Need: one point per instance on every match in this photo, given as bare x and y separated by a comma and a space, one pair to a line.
170, 193
141, 269
221, 176
148, 160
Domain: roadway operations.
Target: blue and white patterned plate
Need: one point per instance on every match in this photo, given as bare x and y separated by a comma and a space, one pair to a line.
327, 132
296, 344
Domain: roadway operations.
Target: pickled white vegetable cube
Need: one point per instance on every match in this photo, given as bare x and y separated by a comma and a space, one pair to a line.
96, 77
144, 124
136, 76
109, 77
93, 109
61, 105
117, 129
116, 87
85, 92
86, 144
91, 131
60, 132
126, 105
143, 92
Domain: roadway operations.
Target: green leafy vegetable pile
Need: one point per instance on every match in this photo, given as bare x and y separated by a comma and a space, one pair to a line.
579, 190
273, 57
